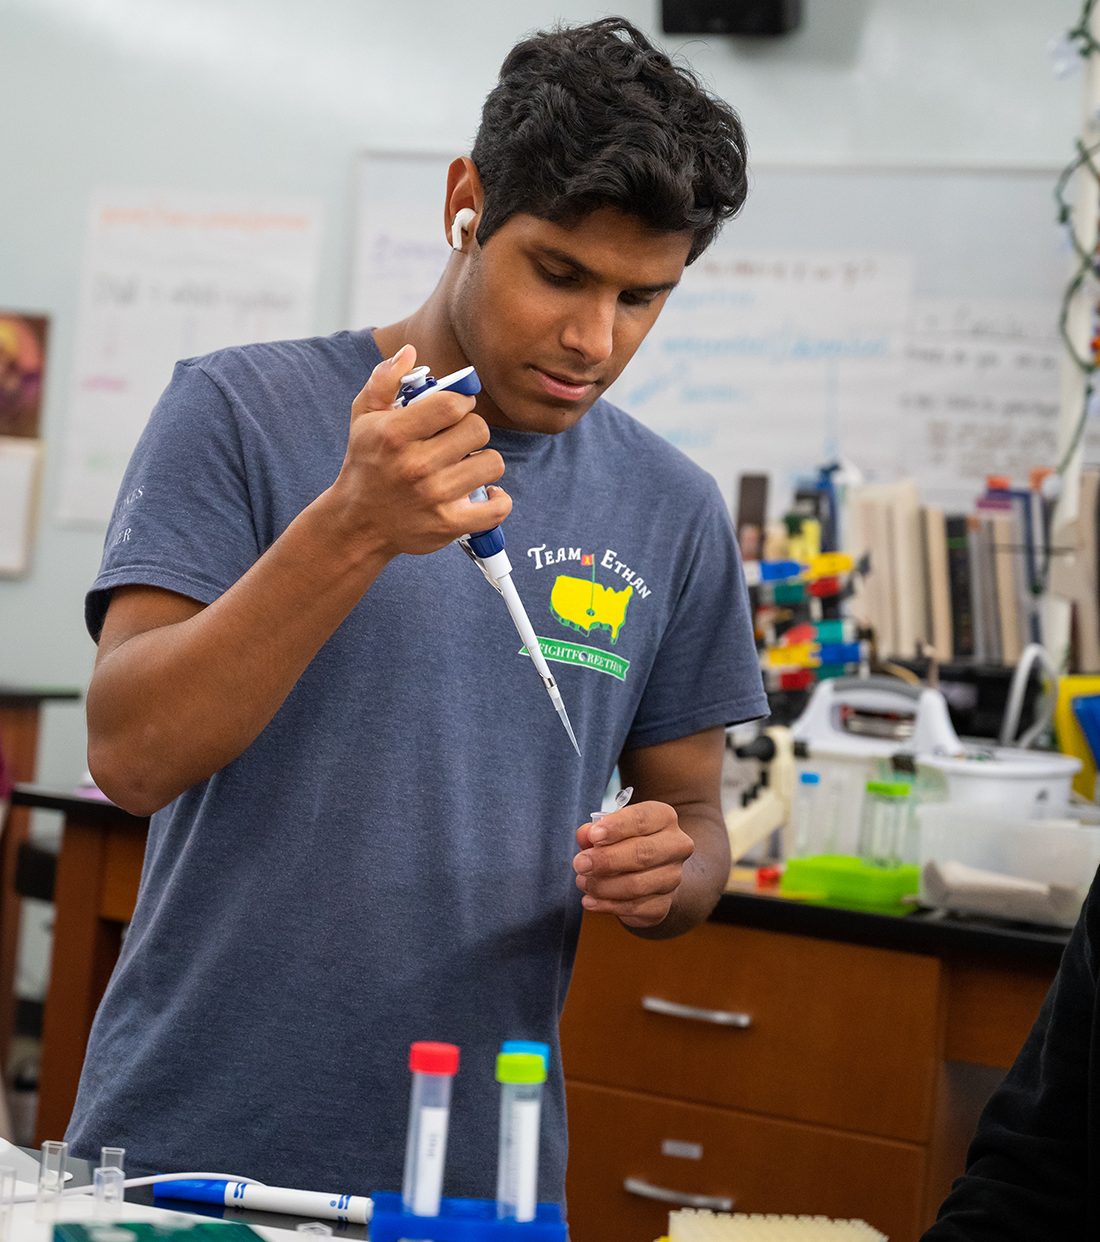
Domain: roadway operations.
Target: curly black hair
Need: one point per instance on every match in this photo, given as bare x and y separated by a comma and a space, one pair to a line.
595, 116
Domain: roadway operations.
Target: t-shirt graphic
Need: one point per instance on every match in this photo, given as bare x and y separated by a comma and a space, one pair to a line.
587, 605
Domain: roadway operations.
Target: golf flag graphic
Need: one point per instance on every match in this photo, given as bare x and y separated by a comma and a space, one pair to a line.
588, 560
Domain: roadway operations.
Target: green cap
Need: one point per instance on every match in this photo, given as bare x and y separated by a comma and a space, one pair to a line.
520, 1067
889, 789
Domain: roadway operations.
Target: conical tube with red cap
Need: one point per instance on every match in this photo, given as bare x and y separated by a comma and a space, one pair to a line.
433, 1069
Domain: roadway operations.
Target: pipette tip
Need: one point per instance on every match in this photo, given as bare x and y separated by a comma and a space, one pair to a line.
559, 707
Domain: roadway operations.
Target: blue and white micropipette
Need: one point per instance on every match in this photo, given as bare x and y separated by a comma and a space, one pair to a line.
486, 547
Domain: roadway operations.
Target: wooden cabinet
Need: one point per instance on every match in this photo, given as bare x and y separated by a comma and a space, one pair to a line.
786, 1073
762, 1164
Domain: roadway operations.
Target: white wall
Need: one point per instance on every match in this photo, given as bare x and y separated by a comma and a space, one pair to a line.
277, 95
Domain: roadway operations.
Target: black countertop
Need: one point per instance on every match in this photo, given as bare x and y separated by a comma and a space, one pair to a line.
925, 931
26, 794
32, 696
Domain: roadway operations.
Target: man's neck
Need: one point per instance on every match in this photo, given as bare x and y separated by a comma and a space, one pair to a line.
429, 330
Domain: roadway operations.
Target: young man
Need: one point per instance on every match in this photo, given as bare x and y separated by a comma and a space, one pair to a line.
366, 808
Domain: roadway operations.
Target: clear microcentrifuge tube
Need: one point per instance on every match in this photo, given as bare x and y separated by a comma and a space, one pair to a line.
7, 1200
112, 1157
433, 1069
521, 1075
109, 1191
51, 1179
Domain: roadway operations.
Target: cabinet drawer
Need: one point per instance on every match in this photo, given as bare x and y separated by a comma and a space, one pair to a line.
833, 1033
762, 1164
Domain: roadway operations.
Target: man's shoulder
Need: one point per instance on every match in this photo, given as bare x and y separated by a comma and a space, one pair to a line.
643, 452
310, 358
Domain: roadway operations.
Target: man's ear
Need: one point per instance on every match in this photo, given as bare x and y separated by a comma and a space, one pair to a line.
464, 195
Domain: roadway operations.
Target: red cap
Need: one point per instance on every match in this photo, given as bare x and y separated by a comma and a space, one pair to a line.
428, 1058
998, 482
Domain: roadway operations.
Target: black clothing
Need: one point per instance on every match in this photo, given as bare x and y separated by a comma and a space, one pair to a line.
1032, 1170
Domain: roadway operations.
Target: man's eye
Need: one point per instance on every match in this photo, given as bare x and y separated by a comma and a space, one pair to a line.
637, 299
557, 278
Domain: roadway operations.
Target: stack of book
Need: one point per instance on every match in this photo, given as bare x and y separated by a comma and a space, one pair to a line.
968, 585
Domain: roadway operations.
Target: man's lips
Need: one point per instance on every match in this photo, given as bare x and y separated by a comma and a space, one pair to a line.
564, 387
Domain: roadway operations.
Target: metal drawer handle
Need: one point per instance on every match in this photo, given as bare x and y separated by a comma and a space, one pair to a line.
720, 1017
716, 1203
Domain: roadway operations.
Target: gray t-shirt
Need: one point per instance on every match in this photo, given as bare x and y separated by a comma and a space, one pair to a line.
391, 859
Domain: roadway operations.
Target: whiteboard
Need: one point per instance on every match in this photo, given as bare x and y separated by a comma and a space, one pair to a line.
171, 274
922, 371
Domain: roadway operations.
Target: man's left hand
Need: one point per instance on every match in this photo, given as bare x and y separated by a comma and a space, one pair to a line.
631, 862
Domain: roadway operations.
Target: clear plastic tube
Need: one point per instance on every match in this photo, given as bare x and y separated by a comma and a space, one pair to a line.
112, 1157
433, 1067
109, 1192
518, 1167
804, 814
51, 1179
521, 1075
7, 1200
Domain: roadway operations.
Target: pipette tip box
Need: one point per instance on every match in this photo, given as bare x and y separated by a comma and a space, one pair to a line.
462, 1220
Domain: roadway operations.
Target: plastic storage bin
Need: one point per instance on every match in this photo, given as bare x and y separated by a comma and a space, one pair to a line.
991, 858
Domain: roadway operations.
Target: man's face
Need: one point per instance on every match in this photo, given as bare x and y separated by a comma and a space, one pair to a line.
550, 315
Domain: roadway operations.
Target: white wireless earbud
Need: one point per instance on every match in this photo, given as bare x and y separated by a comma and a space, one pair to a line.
458, 226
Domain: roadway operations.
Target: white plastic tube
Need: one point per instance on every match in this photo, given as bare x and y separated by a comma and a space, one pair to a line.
433, 1068
521, 1075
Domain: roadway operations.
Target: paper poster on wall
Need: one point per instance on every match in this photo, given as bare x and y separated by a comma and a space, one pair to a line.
981, 394
20, 473
777, 362
170, 275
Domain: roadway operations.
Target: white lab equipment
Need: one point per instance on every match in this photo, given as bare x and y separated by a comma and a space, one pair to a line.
853, 725
1008, 859
433, 1067
521, 1075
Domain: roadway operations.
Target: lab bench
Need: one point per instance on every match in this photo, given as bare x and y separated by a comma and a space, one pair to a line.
788, 1058
20, 718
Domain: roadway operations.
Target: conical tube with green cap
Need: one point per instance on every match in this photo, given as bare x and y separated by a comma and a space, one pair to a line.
521, 1075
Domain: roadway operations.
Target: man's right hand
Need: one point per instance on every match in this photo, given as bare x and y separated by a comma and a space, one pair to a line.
408, 472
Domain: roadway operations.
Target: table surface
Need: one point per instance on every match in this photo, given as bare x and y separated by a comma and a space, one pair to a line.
81, 1171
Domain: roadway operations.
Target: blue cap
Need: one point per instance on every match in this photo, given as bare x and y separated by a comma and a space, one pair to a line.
528, 1045
809, 778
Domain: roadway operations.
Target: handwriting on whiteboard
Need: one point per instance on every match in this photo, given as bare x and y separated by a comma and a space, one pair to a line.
777, 362
166, 276
981, 394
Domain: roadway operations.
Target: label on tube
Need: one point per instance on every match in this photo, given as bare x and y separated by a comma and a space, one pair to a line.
430, 1155
525, 1157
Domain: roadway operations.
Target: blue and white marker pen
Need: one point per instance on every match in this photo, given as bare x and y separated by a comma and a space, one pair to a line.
486, 547
355, 1209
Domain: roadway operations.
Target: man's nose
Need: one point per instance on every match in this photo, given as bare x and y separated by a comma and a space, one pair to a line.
590, 330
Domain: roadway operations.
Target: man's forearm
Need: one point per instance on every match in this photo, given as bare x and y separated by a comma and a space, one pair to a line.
171, 705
